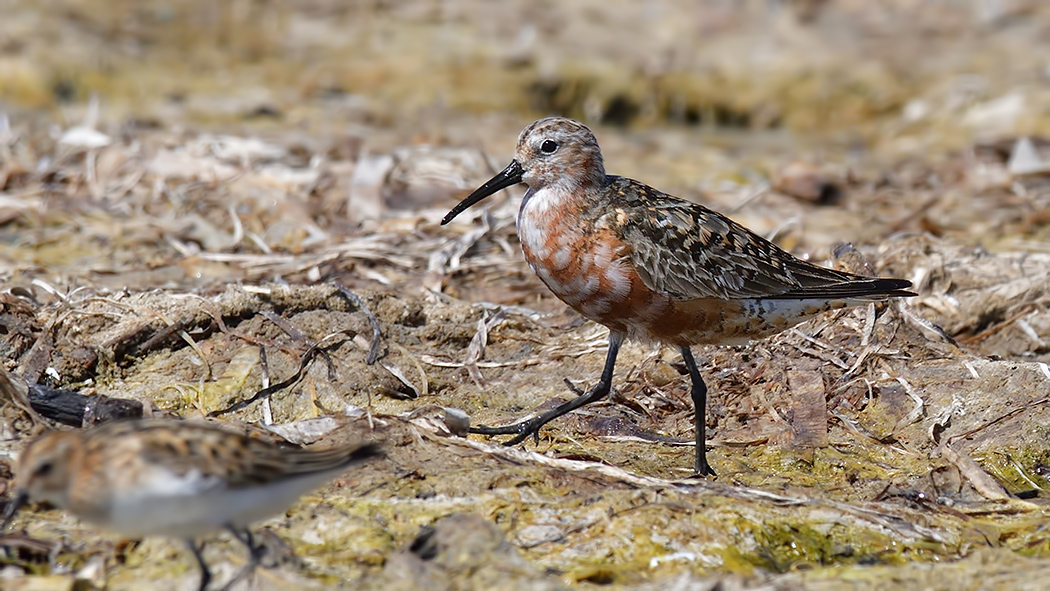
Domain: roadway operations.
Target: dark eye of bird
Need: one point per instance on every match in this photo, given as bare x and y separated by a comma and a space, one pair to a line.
44, 469
549, 146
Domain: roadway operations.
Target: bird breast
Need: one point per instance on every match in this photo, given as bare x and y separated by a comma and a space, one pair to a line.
585, 263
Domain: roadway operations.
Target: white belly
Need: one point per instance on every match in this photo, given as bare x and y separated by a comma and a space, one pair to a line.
187, 513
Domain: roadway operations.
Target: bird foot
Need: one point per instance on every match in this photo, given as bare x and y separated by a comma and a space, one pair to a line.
573, 387
704, 471
523, 429
520, 430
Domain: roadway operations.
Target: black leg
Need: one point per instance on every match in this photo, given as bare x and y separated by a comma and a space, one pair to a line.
532, 426
255, 553
699, 394
205, 573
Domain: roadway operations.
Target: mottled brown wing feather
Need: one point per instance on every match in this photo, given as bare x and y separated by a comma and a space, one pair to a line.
688, 251
237, 459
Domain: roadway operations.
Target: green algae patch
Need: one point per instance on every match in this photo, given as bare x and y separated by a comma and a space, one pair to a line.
988, 567
1021, 466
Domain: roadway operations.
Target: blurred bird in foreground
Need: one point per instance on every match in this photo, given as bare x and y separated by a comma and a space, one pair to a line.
174, 478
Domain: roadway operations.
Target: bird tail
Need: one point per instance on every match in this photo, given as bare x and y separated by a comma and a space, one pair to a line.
867, 289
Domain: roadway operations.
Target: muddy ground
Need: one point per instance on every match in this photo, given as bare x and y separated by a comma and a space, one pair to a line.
195, 197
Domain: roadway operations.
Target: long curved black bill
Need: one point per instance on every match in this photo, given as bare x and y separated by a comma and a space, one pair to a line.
12, 507
510, 176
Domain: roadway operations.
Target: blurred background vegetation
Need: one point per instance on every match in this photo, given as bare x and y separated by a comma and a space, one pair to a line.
852, 70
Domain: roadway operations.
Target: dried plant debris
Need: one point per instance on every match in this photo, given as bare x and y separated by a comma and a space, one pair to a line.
877, 436
858, 438
269, 250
